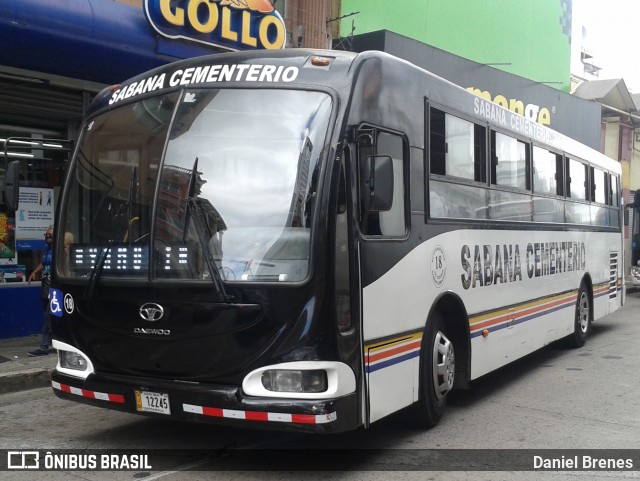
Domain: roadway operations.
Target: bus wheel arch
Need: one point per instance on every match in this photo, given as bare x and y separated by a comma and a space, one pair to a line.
444, 358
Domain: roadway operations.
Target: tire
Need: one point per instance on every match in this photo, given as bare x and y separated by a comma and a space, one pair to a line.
437, 372
582, 321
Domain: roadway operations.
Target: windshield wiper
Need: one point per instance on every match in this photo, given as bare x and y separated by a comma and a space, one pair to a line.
130, 200
190, 193
96, 271
192, 212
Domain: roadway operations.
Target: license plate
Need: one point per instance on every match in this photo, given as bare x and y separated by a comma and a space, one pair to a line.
152, 402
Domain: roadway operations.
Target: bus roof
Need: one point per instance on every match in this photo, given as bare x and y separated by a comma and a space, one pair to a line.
266, 67
338, 70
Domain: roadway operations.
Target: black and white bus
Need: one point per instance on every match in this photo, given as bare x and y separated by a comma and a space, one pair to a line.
313, 240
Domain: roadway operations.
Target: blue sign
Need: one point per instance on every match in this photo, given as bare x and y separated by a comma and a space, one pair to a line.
228, 24
55, 302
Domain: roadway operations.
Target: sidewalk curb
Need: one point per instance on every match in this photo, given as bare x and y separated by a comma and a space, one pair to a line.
27, 379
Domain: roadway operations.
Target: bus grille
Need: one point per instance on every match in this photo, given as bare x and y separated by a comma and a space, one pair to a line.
613, 275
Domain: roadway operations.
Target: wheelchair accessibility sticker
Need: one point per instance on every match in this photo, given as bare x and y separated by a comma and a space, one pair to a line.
55, 302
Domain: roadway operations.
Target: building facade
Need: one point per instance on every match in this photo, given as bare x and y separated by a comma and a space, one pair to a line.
619, 139
528, 38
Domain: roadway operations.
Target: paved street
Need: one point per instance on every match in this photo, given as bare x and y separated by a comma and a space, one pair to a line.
558, 398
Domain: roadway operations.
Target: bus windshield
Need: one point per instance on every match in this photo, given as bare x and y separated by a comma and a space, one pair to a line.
177, 185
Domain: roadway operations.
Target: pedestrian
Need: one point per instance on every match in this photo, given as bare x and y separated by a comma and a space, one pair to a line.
45, 268
63, 264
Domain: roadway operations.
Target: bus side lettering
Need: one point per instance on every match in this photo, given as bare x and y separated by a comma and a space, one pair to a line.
136, 88
489, 111
549, 258
208, 74
491, 266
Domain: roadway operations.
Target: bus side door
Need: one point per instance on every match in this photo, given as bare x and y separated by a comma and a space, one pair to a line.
391, 358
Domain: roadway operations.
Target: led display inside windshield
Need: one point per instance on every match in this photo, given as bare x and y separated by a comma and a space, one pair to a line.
118, 258
127, 259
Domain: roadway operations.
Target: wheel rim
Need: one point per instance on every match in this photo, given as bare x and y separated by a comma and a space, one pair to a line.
583, 312
444, 365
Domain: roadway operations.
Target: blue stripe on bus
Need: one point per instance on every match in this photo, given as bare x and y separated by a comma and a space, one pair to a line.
530, 317
396, 360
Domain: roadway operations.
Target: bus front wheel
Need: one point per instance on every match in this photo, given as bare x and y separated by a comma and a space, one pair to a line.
437, 371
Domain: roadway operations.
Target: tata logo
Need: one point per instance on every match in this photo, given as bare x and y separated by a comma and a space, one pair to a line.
151, 311
229, 24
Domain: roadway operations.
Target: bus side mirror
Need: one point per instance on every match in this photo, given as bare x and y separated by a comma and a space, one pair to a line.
378, 188
636, 200
12, 185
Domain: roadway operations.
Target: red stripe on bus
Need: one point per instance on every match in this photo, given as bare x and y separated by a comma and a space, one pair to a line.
303, 418
256, 416
215, 412
532, 310
392, 352
116, 398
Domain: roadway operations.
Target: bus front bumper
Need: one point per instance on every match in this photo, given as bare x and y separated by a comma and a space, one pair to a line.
208, 403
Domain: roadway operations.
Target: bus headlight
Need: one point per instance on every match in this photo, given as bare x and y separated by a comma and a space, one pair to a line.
301, 380
287, 380
72, 360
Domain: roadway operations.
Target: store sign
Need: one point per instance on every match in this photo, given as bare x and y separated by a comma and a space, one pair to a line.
33, 217
229, 24
533, 112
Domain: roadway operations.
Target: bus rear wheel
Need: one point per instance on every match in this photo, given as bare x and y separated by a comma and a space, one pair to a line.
582, 322
437, 372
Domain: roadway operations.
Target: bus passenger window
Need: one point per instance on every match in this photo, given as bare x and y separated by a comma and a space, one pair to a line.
457, 147
437, 143
599, 186
509, 161
545, 172
615, 196
576, 179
